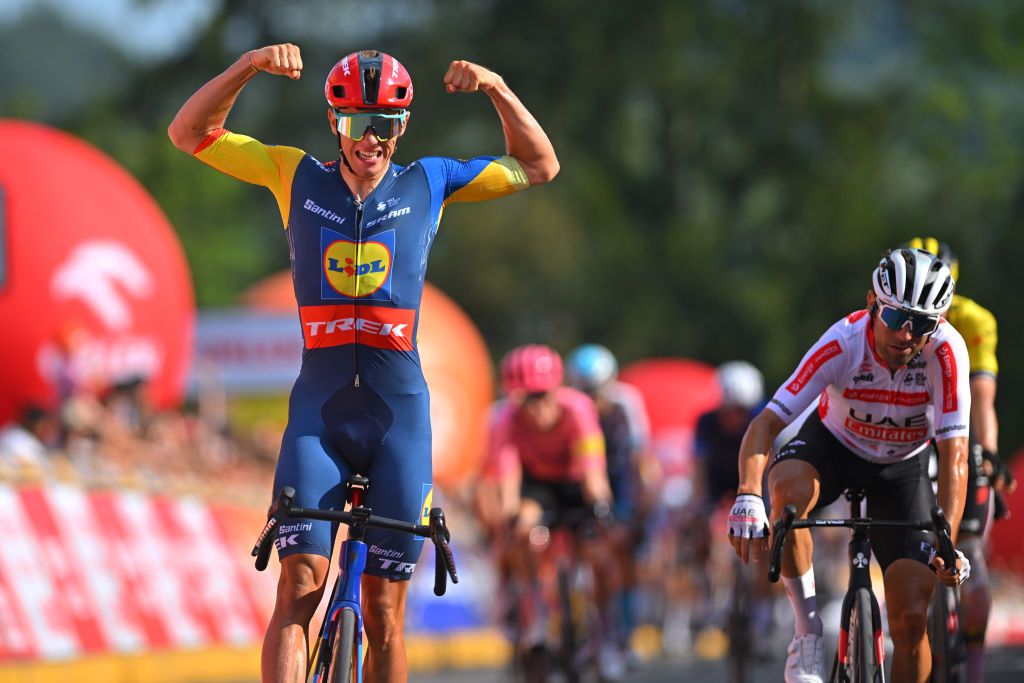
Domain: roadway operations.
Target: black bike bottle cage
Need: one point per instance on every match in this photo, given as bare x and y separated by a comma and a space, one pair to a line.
370, 65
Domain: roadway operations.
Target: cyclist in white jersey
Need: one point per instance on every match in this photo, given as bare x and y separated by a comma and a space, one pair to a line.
890, 379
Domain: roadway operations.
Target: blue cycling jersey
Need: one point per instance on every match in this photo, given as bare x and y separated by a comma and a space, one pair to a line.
360, 402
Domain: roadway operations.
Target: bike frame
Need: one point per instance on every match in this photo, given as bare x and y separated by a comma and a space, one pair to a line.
346, 593
860, 557
860, 577
352, 560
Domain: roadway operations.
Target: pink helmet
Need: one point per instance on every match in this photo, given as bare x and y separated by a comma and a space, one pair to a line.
531, 368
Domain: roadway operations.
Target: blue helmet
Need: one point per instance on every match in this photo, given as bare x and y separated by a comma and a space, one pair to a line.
590, 367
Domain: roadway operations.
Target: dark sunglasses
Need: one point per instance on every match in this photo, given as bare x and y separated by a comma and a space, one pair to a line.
896, 319
534, 396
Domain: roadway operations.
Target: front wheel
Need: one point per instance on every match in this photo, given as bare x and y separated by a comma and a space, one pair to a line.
344, 649
864, 660
948, 651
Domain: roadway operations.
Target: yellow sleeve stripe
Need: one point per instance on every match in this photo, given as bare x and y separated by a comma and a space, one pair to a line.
249, 160
500, 177
590, 446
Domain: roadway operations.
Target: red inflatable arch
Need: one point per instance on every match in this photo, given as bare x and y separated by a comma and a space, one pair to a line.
676, 392
94, 286
456, 364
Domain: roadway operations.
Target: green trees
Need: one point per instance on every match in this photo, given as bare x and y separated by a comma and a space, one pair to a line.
731, 169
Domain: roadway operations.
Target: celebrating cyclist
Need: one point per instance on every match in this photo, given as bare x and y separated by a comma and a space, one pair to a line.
359, 230
986, 469
546, 454
891, 378
631, 467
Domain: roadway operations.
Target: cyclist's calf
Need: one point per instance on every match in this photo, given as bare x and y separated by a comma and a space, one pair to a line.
975, 596
383, 608
908, 589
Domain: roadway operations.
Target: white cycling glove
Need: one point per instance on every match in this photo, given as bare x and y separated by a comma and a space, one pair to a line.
965, 565
747, 518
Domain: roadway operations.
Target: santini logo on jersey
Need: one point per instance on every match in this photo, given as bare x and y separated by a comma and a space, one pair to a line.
310, 205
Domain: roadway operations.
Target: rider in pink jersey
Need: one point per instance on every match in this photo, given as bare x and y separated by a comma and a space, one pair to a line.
545, 458
565, 453
890, 379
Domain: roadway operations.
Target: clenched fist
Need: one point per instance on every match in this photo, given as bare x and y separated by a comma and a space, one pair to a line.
280, 60
463, 76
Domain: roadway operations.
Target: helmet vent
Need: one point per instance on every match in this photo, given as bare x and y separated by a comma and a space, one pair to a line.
400, 92
338, 91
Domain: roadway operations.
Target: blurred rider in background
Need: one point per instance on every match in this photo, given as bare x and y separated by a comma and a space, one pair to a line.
717, 440
985, 469
546, 459
631, 467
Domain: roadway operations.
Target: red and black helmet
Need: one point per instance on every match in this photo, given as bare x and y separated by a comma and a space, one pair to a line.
368, 80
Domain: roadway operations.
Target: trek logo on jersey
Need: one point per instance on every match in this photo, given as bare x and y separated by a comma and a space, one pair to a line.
819, 358
356, 270
947, 363
427, 496
340, 324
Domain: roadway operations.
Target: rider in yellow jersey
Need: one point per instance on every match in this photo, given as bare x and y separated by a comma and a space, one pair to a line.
977, 326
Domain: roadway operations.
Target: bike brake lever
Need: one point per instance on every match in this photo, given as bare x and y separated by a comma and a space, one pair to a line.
279, 510
778, 539
942, 534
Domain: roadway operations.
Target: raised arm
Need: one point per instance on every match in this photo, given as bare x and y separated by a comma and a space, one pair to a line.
208, 108
525, 140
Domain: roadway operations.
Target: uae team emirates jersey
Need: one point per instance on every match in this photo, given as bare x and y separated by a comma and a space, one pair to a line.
881, 415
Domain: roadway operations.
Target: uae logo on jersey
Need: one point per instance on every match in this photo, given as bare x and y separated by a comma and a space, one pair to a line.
356, 270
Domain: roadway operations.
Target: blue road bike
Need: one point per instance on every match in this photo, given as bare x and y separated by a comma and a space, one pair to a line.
338, 653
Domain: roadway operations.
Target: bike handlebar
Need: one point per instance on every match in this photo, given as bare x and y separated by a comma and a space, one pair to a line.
787, 521
436, 530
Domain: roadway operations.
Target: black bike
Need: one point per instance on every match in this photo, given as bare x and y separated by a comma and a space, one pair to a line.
860, 655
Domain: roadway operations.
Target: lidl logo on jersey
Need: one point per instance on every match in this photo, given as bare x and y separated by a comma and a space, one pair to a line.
356, 270
428, 501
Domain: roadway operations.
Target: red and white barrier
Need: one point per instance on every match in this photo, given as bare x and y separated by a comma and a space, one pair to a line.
107, 572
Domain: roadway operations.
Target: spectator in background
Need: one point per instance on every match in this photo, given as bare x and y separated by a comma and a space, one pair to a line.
25, 443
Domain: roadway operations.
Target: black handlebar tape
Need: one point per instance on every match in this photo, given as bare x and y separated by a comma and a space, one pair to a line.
946, 550
280, 509
440, 572
781, 529
1001, 510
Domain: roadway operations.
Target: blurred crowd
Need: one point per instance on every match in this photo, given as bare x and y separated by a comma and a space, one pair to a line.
114, 436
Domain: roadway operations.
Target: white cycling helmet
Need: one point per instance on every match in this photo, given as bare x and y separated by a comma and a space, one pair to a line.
913, 280
742, 384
